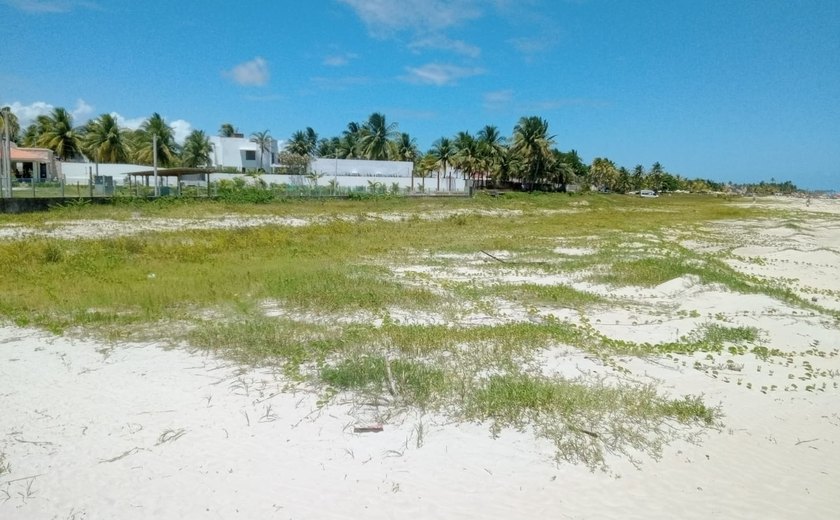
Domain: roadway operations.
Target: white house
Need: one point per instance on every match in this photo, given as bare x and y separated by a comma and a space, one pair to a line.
241, 153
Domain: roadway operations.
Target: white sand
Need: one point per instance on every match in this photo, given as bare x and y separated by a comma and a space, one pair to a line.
135, 431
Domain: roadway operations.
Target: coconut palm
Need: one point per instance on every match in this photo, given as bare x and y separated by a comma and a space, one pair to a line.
532, 145
373, 143
424, 168
492, 141
492, 149
507, 166
227, 130
656, 177
303, 143
638, 177
59, 135
467, 156
144, 140
443, 152
603, 174
105, 141
263, 142
561, 171
348, 146
196, 150
33, 131
29, 137
328, 147
14, 124
404, 148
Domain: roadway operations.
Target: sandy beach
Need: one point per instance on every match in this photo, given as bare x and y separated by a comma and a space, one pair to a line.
92, 430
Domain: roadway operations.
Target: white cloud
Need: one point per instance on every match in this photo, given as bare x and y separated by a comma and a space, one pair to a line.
439, 74
132, 124
82, 111
339, 60
498, 98
440, 42
49, 6
383, 17
253, 73
530, 46
181, 129
27, 114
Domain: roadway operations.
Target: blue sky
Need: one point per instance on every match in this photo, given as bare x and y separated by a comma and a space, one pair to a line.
740, 90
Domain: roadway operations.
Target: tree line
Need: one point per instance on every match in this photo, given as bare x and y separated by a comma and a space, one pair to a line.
527, 159
103, 140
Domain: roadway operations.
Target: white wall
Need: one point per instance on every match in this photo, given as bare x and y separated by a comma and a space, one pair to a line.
352, 174
229, 152
447, 184
75, 172
361, 168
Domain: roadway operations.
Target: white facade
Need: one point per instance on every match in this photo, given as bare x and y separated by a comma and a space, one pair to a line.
361, 168
81, 172
241, 153
345, 174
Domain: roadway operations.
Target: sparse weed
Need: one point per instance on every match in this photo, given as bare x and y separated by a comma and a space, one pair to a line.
330, 276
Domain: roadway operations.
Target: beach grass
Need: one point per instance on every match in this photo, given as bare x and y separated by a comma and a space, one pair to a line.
333, 293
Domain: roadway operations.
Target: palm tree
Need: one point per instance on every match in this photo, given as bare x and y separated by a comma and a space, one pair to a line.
328, 147
29, 136
637, 179
34, 130
196, 150
467, 156
562, 172
263, 142
508, 164
59, 135
425, 166
227, 130
443, 151
657, 175
373, 144
105, 141
532, 144
404, 148
603, 173
492, 149
14, 124
303, 143
622, 184
144, 140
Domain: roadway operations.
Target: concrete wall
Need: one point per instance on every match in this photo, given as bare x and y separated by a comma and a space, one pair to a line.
352, 174
74, 172
353, 182
230, 152
361, 168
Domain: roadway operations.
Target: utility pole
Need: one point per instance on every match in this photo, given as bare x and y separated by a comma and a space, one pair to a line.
6, 165
154, 156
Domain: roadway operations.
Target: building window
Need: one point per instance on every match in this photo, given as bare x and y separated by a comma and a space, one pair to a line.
250, 155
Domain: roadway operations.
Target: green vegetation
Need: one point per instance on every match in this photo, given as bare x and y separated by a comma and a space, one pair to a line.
527, 160
358, 300
584, 419
5, 467
414, 382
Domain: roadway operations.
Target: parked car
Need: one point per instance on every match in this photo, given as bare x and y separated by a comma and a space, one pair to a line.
648, 194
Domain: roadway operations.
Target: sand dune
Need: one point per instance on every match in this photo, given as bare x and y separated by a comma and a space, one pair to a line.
93, 431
